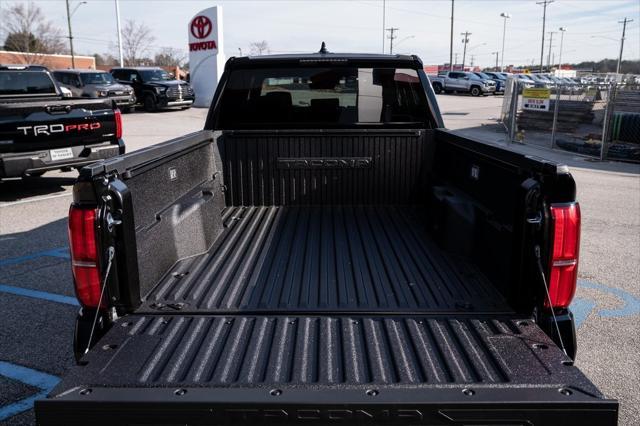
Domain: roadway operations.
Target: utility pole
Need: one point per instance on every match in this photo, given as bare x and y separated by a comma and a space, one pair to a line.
391, 38
624, 29
73, 58
384, 12
562, 31
472, 58
551, 33
501, 66
544, 4
119, 34
504, 31
451, 41
456, 60
465, 40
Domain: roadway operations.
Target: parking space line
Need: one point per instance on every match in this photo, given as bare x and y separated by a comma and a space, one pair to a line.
43, 381
36, 294
61, 252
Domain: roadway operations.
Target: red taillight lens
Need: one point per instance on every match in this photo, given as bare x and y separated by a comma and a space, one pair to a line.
84, 255
564, 254
118, 116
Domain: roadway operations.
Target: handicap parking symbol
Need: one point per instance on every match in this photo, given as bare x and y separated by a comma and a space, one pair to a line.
582, 307
43, 381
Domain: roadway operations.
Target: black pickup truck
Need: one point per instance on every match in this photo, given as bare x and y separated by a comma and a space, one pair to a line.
323, 253
40, 130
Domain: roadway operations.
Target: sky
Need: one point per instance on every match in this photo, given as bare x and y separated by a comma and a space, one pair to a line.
593, 31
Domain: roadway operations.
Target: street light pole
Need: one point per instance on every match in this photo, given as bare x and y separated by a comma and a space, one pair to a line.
384, 11
502, 66
504, 31
562, 30
73, 58
451, 41
119, 34
69, 15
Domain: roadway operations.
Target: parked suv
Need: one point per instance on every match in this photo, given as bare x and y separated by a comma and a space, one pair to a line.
155, 88
96, 84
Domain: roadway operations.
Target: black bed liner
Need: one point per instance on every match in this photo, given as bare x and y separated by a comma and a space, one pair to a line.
176, 369
324, 259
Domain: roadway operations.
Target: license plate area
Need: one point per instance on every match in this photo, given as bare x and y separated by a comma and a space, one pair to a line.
61, 154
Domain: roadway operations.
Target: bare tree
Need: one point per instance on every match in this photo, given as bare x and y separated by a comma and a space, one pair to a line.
169, 57
136, 42
259, 47
29, 32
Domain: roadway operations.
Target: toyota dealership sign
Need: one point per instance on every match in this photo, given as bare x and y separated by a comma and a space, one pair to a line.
206, 55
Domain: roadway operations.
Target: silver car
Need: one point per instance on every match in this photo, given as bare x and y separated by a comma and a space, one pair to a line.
96, 84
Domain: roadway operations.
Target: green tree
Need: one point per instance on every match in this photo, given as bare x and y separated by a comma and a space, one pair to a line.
23, 42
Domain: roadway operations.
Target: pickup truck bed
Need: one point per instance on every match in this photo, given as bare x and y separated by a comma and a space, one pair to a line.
312, 298
367, 275
324, 259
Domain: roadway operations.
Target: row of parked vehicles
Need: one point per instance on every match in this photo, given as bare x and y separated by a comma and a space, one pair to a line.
151, 87
490, 82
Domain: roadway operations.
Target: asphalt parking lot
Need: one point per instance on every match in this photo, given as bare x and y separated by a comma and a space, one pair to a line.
38, 307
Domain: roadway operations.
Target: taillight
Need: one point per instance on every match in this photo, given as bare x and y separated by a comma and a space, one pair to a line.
84, 255
564, 254
118, 116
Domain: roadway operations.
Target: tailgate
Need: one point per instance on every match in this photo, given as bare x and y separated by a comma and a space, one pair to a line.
45, 124
368, 370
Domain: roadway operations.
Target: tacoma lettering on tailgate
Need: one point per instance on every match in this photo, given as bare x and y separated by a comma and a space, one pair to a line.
325, 163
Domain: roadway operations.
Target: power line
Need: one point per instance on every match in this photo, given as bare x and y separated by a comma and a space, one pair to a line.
544, 4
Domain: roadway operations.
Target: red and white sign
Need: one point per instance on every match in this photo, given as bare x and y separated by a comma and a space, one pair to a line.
201, 28
206, 57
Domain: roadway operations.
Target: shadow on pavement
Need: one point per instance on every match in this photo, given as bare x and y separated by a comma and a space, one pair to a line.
18, 247
19, 189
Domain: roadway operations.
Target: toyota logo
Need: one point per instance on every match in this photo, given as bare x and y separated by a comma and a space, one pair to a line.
201, 27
